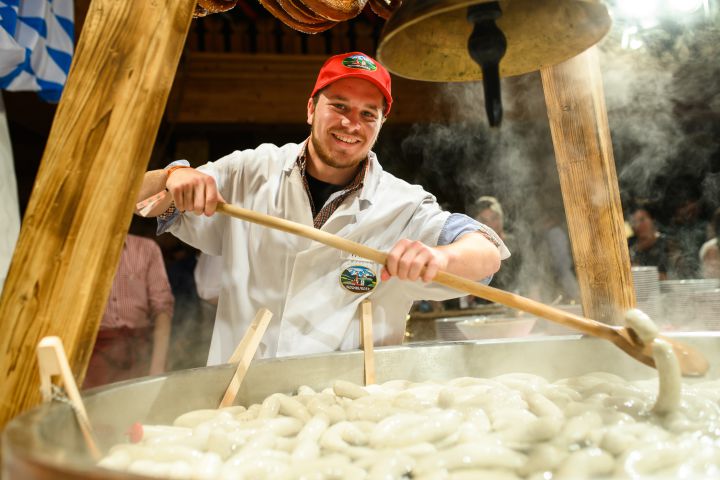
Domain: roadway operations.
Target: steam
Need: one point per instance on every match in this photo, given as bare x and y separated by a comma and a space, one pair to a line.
462, 159
663, 102
640, 113
655, 96
465, 152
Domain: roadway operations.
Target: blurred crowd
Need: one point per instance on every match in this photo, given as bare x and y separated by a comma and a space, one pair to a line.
540, 266
678, 235
682, 242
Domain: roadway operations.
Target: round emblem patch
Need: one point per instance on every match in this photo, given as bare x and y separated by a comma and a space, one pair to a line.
358, 279
359, 61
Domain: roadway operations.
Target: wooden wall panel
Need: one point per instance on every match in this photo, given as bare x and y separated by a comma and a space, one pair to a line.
271, 89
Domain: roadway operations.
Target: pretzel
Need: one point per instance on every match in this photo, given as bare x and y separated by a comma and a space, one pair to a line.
302, 14
336, 10
384, 8
278, 12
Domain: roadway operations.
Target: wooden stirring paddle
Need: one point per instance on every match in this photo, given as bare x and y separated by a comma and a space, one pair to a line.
367, 342
692, 361
53, 361
244, 353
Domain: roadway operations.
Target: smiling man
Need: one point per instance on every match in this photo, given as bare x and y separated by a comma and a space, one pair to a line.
334, 182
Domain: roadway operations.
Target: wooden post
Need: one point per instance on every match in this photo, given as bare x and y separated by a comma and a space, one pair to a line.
82, 201
583, 150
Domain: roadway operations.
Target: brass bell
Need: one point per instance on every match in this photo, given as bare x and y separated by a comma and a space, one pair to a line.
469, 40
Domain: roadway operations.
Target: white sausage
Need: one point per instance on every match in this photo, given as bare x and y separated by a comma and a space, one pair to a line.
348, 390
670, 385
473, 455
339, 436
407, 428
642, 324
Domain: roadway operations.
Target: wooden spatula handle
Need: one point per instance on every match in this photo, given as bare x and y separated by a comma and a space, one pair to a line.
518, 302
244, 353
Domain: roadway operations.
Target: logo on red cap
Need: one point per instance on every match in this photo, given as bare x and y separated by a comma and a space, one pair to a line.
359, 61
358, 65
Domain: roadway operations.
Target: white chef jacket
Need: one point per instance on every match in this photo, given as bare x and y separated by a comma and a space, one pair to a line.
298, 279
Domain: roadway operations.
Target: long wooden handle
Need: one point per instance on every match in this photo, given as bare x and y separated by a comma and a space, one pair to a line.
244, 353
367, 341
585, 325
52, 361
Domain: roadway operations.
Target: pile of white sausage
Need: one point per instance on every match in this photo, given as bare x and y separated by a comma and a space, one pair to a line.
511, 426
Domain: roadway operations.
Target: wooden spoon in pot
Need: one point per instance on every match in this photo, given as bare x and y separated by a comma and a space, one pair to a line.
692, 362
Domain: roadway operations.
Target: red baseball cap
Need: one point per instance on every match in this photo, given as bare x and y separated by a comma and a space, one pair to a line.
357, 65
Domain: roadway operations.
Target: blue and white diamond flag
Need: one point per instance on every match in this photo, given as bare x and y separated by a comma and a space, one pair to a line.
36, 45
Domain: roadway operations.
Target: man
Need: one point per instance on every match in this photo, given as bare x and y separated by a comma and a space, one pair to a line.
488, 211
710, 250
135, 329
648, 246
334, 182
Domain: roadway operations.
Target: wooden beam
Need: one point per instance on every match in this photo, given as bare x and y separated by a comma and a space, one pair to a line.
581, 137
265, 89
83, 197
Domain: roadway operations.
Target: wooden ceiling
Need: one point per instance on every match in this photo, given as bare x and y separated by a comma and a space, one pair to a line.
246, 67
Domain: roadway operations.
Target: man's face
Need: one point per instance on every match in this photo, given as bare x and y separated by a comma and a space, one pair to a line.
641, 223
345, 122
490, 218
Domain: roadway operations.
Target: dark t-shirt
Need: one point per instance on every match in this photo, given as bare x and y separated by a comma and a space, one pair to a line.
655, 256
320, 191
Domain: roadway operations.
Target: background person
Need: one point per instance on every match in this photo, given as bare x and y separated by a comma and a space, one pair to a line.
135, 329
560, 284
686, 229
710, 251
490, 212
648, 246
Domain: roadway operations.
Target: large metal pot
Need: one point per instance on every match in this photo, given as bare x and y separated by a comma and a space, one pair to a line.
45, 442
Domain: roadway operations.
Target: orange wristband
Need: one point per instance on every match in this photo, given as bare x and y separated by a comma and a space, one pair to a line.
172, 169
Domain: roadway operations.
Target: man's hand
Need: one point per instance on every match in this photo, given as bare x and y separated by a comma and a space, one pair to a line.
193, 191
413, 260
471, 256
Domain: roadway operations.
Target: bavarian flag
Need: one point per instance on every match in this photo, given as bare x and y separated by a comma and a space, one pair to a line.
36, 45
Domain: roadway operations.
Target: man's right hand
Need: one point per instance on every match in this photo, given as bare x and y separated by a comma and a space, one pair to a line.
193, 191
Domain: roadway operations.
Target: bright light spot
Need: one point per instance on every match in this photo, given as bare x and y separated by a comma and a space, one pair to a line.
639, 8
630, 40
648, 23
684, 6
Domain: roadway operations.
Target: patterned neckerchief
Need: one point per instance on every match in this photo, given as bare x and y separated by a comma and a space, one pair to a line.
331, 206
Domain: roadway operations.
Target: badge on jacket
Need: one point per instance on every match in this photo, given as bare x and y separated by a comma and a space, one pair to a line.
358, 276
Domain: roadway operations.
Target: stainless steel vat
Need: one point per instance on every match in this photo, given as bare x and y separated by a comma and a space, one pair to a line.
45, 442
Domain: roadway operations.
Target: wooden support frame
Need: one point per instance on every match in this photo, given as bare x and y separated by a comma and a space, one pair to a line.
84, 193
583, 151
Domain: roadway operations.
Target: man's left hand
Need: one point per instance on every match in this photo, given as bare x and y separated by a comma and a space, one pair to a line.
413, 260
